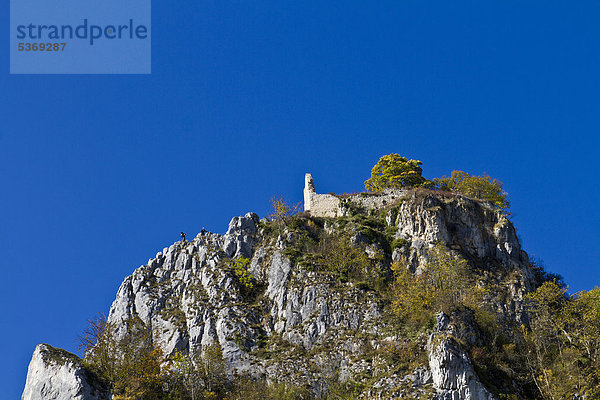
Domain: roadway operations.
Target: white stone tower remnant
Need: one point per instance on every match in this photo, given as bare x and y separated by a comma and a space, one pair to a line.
319, 205
309, 190
329, 205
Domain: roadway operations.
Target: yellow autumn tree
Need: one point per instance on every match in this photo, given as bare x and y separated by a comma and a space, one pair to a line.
395, 171
562, 342
443, 284
130, 364
479, 187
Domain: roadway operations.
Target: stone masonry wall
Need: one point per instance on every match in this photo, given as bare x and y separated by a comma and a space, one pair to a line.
328, 205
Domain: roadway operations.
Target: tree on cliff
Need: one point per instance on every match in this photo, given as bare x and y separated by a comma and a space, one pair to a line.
479, 187
443, 285
561, 342
395, 171
131, 365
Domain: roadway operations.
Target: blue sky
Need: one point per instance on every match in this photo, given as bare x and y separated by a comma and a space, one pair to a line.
100, 172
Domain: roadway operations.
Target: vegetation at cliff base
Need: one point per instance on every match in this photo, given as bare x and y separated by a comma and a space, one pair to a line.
562, 342
134, 368
131, 364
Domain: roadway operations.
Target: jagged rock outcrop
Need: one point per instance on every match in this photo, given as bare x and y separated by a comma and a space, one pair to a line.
305, 327
452, 371
57, 374
476, 231
473, 228
188, 294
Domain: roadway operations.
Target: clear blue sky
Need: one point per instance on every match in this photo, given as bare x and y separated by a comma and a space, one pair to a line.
101, 172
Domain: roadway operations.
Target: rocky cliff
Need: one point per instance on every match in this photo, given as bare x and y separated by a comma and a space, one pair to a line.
55, 374
305, 325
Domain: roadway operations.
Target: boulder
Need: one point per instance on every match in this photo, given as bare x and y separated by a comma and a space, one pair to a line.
57, 374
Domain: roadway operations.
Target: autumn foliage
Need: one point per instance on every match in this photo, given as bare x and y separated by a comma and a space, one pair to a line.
395, 171
478, 187
442, 285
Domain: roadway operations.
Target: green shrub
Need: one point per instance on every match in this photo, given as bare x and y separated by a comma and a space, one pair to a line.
344, 260
398, 243
130, 364
443, 285
240, 269
479, 187
246, 388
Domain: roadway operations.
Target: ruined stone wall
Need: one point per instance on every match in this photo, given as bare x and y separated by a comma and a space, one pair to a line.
369, 201
328, 205
325, 205
319, 205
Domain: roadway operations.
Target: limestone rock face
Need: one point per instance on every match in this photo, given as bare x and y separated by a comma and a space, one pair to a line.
462, 224
57, 374
307, 327
474, 230
188, 295
452, 372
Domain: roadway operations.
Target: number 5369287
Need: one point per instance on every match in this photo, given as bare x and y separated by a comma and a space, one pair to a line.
41, 46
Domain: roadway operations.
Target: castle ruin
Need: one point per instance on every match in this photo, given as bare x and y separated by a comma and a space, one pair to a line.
331, 205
